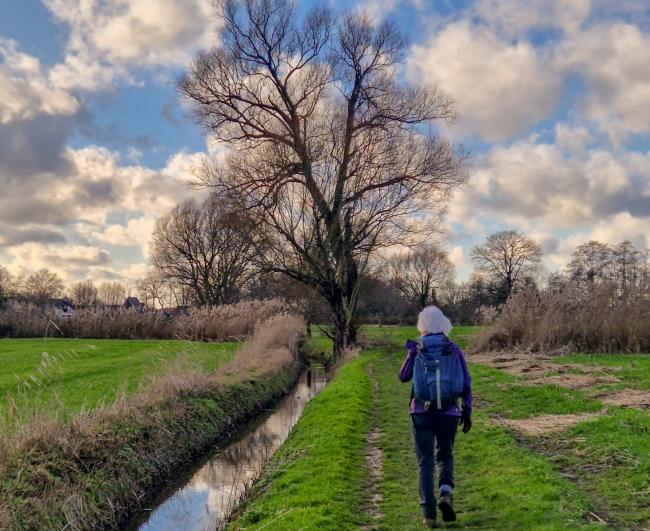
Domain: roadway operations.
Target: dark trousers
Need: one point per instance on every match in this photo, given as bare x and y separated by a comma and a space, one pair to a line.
430, 429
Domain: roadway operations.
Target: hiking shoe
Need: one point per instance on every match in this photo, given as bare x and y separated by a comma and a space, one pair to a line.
446, 508
430, 523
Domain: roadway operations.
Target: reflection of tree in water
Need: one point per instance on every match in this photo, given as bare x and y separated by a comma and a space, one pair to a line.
214, 490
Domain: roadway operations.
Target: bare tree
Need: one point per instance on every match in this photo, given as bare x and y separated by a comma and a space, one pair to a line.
152, 290
329, 148
623, 266
420, 273
43, 285
628, 262
591, 263
112, 293
210, 249
5, 284
84, 293
508, 259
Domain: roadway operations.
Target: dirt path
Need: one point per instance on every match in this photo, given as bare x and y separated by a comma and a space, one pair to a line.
374, 459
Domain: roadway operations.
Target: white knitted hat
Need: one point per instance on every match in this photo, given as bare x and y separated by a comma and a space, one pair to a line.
433, 321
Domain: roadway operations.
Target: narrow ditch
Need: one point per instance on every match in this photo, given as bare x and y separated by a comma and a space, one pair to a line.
205, 497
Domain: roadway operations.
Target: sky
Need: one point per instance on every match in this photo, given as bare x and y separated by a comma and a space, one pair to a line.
552, 96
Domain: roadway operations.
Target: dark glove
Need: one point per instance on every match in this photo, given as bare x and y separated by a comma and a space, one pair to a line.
466, 423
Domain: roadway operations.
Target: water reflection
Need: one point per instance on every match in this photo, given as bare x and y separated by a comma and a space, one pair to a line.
211, 494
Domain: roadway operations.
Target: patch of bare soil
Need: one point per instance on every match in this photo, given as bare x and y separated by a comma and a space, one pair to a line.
575, 381
538, 369
374, 464
634, 398
544, 424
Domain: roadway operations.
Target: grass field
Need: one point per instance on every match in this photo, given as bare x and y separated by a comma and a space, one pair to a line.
71, 374
594, 474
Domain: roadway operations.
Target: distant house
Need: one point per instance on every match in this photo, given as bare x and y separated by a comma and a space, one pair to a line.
62, 307
133, 303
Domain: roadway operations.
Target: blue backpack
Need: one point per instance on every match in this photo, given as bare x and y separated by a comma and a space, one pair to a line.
438, 377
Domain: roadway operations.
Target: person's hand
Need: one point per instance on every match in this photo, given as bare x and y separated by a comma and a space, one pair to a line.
466, 422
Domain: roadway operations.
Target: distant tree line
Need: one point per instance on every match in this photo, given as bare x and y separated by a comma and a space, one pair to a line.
199, 267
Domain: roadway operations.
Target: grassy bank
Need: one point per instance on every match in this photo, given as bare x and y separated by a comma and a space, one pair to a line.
95, 477
71, 374
316, 479
94, 469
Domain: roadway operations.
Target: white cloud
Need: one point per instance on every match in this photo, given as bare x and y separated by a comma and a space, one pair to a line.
80, 211
514, 18
500, 89
24, 88
378, 10
540, 184
64, 259
136, 232
615, 63
457, 257
107, 37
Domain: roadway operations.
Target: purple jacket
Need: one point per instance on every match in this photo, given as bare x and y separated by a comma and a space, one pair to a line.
406, 374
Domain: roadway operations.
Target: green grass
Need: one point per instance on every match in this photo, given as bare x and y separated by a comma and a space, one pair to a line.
90, 372
608, 457
315, 480
500, 485
97, 474
502, 394
634, 368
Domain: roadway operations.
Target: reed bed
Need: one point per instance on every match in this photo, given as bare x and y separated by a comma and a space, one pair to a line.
216, 323
601, 319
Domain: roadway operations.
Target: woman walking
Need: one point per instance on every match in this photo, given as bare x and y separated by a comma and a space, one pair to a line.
441, 399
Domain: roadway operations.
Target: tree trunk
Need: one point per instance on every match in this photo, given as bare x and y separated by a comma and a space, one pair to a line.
345, 331
352, 333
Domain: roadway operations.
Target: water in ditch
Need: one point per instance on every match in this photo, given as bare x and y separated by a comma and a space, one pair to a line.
209, 496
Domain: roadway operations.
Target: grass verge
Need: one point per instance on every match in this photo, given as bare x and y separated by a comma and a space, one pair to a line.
316, 479
608, 457
95, 478
502, 394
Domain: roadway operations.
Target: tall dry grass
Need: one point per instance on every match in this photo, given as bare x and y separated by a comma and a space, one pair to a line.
599, 320
46, 462
217, 323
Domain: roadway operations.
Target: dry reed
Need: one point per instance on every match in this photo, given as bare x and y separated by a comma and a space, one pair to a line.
216, 323
600, 320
